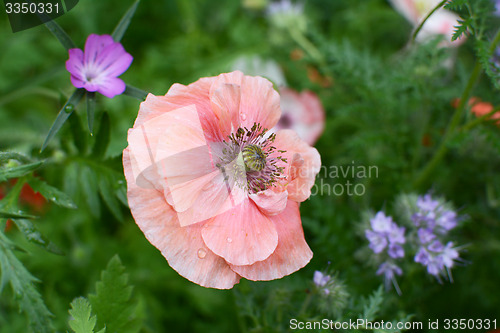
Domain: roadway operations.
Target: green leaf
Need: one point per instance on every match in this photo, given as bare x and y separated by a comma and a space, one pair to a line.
19, 215
88, 183
82, 321
18, 171
461, 28
63, 115
22, 283
373, 304
79, 135
91, 111
52, 193
102, 138
112, 301
60, 34
34, 236
7, 155
124, 22
135, 92
107, 192
455, 4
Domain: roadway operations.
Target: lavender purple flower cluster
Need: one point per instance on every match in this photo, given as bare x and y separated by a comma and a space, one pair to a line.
434, 222
429, 224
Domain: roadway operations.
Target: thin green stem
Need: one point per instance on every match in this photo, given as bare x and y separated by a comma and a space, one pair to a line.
309, 47
305, 304
455, 120
415, 33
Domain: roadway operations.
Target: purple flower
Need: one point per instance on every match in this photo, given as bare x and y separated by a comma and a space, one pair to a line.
386, 232
497, 6
426, 203
98, 67
381, 223
437, 258
320, 279
436, 246
396, 251
423, 257
396, 234
425, 235
447, 220
448, 255
390, 270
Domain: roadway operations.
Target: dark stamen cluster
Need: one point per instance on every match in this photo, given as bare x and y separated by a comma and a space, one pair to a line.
247, 173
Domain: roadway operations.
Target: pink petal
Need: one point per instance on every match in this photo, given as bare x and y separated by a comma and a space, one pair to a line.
304, 113
271, 201
259, 102
111, 86
113, 60
225, 102
167, 142
408, 9
210, 197
183, 247
303, 164
94, 45
291, 254
242, 235
77, 82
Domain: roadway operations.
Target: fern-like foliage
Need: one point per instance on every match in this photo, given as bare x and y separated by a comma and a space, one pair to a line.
22, 282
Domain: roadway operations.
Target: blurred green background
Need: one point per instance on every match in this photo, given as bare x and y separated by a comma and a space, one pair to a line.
387, 105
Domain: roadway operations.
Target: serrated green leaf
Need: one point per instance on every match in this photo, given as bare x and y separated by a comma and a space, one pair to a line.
60, 34
91, 111
112, 301
135, 93
455, 4
18, 171
460, 29
9, 215
89, 187
63, 115
372, 307
22, 283
102, 138
8, 155
124, 22
52, 193
34, 236
82, 321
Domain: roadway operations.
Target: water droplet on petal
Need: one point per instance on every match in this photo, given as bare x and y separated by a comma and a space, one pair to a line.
69, 108
243, 116
229, 240
202, 253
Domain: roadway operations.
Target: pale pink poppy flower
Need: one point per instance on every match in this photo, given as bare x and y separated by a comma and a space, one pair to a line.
215, 193
302, 113
441, 22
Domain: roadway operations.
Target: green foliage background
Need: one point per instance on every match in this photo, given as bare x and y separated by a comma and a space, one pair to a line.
384, 99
